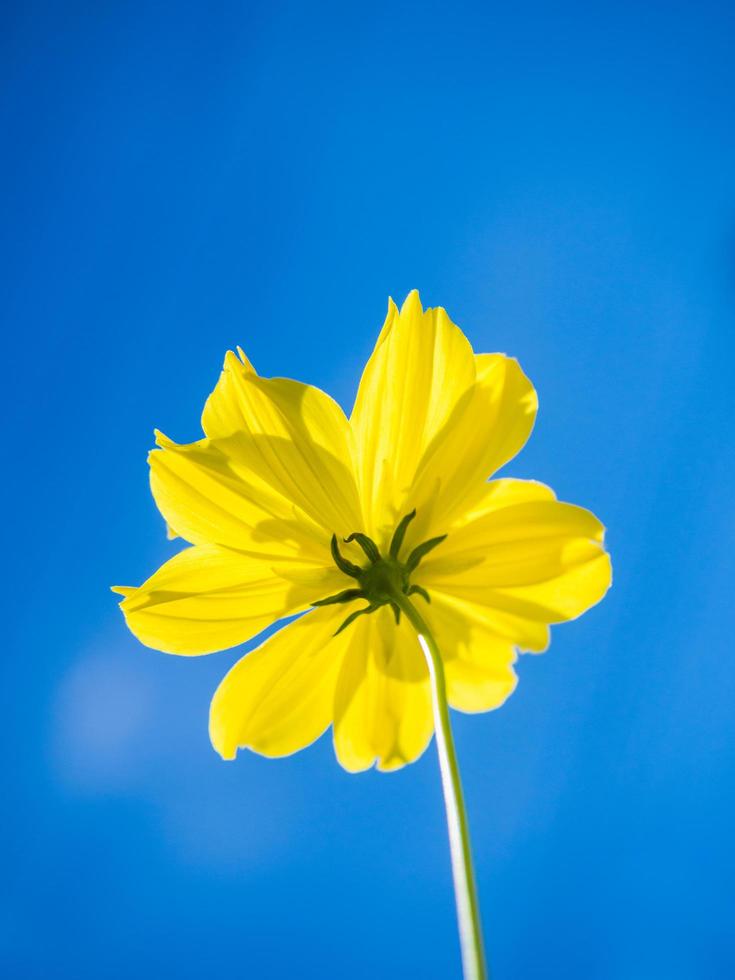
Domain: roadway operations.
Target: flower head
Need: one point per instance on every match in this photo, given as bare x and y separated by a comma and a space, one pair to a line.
290, 507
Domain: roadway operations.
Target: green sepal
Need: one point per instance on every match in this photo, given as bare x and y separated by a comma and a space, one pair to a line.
367, 544
418, 590
353, 616
400, 533
347, 595
382, 581
420, 551
342, 563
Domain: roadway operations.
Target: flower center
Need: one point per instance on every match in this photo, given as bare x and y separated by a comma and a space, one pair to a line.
383, 579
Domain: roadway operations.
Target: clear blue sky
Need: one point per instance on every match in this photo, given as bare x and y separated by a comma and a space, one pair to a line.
181, 178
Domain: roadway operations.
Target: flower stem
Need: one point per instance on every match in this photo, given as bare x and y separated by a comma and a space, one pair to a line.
465, 889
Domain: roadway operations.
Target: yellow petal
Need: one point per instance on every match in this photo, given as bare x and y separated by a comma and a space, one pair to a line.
291, 435
526, 635
306, 459
478, 662
205, 496
208, 598
421, 369
496, 494
489, 427
225, 411
279, 698
541, 561
564, 596
283, 482
383, 701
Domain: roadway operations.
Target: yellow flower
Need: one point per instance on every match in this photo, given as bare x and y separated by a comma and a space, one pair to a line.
287, 503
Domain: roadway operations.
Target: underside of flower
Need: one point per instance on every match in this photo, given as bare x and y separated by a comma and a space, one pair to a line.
383, 578
281, 467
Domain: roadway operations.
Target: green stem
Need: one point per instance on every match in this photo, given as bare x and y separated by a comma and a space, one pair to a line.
465, 889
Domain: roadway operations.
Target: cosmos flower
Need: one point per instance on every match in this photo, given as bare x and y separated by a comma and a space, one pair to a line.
292, 508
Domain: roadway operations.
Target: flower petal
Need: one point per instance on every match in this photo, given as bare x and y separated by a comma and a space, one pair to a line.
382, 709
526, 635
280, 697
291, 435
421, 369
207, 598
487, 430
542, 561
505, 492
226, 411
202, 495
478, 662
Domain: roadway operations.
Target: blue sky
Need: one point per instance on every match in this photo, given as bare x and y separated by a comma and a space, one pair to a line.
179, 179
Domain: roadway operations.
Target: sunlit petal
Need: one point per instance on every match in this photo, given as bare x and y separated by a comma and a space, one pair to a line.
478, 660
421, 369
227, 410
207, 499
506, 492
541, 560
382, 712
292, 436
488, 427
280, 697
207, 598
